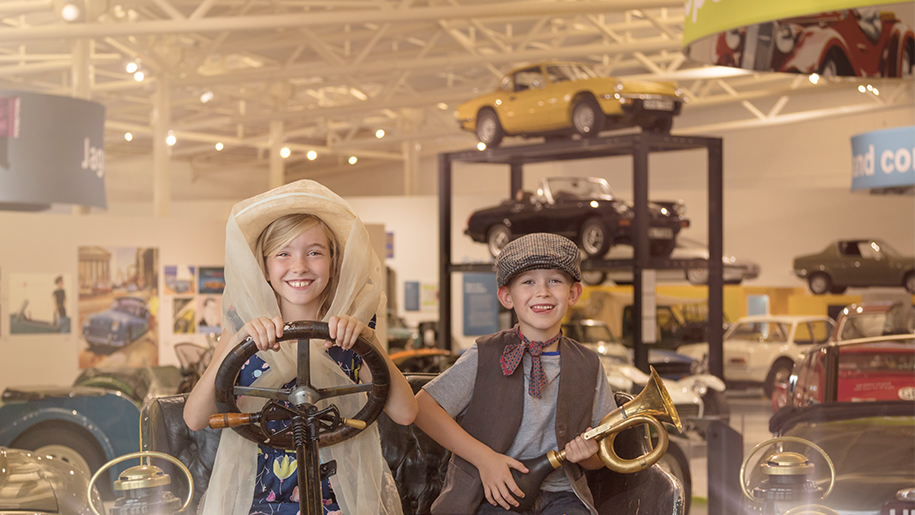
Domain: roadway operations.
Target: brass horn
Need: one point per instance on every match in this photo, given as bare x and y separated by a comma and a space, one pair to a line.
651, 406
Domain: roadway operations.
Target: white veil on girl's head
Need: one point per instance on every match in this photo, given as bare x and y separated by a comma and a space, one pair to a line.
363, 483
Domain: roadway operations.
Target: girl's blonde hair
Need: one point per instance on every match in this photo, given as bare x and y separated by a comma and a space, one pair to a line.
286, 228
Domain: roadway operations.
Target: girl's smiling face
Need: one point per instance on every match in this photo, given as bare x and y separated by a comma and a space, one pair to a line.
299, 273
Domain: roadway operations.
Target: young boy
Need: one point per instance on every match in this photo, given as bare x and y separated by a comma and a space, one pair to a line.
521, 392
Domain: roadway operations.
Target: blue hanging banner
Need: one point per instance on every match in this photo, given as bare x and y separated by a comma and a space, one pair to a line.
481, 305
883, 159
52, 151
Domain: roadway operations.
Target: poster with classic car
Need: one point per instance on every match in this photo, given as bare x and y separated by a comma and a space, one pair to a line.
583, 209
117, 325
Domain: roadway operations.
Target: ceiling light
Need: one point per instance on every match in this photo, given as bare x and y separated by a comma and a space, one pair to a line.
132, 67
379, 133
481, 146
70, 12
219, 146
206, 97
862, 89
128, 136
813, 78
869, 87
358, 94
138, 76
311, 155
876, 92
353, 159
441, 105
284, 152
171, 139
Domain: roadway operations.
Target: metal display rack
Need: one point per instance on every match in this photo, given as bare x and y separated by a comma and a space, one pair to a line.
639, 146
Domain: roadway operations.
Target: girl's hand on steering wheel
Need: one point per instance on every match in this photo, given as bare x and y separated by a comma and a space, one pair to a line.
264, 331
345, 330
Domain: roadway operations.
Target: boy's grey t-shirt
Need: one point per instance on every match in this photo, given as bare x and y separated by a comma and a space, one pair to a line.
537, 434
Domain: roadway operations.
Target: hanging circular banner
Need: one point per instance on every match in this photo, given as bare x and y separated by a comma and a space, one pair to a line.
829, 37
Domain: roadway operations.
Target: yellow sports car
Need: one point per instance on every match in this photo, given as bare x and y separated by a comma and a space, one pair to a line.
560, 99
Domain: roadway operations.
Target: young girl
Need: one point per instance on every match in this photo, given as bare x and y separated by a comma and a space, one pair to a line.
299, 252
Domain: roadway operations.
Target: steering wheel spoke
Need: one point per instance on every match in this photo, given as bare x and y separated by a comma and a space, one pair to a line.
327, 393
267, 393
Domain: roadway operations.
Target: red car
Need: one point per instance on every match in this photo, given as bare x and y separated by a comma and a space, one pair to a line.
858, 42
873, 369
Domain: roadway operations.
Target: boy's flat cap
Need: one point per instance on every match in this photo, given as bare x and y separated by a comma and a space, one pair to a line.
538, 251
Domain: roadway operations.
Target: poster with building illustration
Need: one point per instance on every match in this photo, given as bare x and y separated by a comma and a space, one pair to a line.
39, 303
118, 306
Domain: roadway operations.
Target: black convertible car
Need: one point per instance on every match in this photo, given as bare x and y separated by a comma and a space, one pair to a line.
583, 209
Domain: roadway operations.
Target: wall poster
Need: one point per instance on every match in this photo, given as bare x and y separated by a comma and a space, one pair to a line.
118, 306
41, 304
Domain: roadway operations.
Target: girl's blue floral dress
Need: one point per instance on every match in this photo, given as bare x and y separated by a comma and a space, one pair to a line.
276, 490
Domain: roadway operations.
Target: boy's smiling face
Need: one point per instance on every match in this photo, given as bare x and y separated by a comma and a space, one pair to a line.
540, 299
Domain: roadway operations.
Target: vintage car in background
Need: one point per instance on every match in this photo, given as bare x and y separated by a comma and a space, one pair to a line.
87, 424
22, 322
35, 483
761, 350
855, 263
735, 270
855, 399
861, 42
583, 209
562, 99
117, 327
874, 318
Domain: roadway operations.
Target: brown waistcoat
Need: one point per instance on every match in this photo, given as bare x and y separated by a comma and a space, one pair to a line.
494, 416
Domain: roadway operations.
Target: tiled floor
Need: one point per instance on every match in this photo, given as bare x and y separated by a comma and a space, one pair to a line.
750, 413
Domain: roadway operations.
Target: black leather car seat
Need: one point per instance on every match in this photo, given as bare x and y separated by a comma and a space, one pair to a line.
417, 462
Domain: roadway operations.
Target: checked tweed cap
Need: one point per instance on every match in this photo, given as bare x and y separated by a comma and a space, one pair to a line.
537, 251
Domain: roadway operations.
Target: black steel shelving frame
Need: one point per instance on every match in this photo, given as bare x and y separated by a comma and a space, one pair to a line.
639, 146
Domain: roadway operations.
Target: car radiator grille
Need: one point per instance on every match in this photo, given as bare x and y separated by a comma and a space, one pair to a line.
687, 411
672, 370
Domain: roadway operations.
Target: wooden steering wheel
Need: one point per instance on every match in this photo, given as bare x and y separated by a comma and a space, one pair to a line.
302, 395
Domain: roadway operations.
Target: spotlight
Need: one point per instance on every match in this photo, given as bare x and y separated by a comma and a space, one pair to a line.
862, 89
284, 152
138, 76
353, 159
814, 78
132, 67
876, 92
311, 155
70, 12
206, 97
379, 133
128, 136
481, 146
219, 146
171, 139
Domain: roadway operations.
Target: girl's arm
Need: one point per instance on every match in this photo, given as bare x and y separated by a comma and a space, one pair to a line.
201, 403
401, 404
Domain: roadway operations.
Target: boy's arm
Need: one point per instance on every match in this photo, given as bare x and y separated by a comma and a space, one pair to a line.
584, 453
494, 468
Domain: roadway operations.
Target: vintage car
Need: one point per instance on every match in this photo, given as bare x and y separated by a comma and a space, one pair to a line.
874, 318
37, 483
559, 99
761, 350
855, 263
120, 325
854, 399
583, 209
86, 424
856, 42
735, 270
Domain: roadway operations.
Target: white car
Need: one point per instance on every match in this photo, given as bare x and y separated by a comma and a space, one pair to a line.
761, 350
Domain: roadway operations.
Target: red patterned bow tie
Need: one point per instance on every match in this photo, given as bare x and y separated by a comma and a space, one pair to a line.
511, 358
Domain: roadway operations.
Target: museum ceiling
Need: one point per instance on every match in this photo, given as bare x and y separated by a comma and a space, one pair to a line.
328, 74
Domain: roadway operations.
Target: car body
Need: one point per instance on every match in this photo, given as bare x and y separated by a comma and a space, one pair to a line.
120, 325
583, 209
87, 424
735, 271
854, 399
874, 318
34, 483
564, 98
761, 350
854, 42
855, 263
